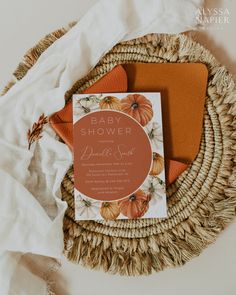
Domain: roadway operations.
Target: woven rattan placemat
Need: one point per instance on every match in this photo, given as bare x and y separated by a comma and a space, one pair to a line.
201, 202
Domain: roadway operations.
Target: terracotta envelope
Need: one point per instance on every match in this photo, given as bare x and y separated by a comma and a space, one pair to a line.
183, 89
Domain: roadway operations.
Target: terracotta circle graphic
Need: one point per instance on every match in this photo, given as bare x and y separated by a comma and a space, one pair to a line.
112, 155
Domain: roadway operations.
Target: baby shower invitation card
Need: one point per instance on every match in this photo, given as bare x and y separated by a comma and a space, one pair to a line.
118, 156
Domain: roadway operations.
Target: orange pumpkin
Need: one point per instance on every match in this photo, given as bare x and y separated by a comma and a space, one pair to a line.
135, 206
110, 102
138, 107
110, 210
157, 164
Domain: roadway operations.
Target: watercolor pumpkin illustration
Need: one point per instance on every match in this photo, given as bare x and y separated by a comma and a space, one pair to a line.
110, 102
86, 105
86, 208
135, 206
138, 107
157, 164
110, 210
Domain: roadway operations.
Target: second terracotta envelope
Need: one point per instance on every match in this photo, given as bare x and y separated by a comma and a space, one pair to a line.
183, 91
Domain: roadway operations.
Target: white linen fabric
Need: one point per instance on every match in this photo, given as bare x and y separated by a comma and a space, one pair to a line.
31, 211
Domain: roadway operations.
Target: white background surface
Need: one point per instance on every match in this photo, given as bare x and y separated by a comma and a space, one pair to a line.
22, 24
